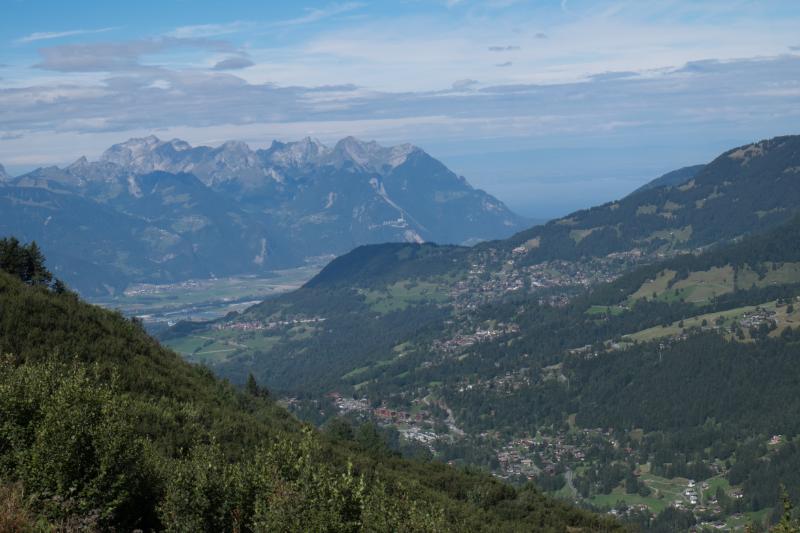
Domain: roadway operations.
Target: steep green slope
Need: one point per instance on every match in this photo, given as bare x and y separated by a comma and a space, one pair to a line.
101, 427
690, 388
744, 190
672, 179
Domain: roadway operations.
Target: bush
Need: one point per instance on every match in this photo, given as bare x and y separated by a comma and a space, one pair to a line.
70, 443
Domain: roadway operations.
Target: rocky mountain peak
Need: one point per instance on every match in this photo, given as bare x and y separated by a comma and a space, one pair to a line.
370, 155
134, 152
235, 146
79, 164
180, 145
304, 152
3, 174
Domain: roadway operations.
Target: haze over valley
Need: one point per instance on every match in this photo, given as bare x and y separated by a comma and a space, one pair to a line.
442, 266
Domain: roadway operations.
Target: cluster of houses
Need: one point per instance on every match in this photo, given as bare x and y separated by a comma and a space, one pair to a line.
468, 294
760, 316
516, 460
563, 274
257, 325
510, 381
149, 289
691, 493
530, 457
425, 436
383, 414
627, 510
480, 287
555, 300
481, 335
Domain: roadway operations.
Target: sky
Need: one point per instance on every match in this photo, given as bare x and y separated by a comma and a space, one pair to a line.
550, 105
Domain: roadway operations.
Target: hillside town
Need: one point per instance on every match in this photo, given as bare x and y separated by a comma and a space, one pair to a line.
487, 334
258, 325
491, 277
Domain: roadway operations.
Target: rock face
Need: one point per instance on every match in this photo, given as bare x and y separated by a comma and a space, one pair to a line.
201, 211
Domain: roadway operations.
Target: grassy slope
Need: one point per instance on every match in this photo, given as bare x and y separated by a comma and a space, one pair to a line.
36, 326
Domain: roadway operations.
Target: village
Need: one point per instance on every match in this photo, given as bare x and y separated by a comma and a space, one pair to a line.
417, 426
460, 341
560, 278
257, 325
558, 460
567, 454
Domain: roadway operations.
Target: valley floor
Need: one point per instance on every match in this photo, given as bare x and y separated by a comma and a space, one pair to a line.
203, 299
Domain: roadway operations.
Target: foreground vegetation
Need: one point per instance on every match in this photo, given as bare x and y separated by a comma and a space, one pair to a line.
101, 428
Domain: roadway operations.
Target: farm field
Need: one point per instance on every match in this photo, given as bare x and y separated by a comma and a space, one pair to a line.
216, 346
725, 319
400, 295
663, 493
605, 310
700, 287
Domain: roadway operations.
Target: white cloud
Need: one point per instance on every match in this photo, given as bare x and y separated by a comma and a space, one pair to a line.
208, 30
233, 63
316, 15
46, 35
599, 73
118, 56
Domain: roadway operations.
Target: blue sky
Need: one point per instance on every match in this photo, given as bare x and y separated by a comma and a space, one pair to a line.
549, 105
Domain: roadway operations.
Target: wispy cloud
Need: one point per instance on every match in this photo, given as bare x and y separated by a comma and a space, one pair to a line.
635, 72
46, 35
233, 63
461, 85
117, 56
507, 48
315, 15
208, 30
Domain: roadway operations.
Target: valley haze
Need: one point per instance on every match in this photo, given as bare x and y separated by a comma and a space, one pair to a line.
433, 266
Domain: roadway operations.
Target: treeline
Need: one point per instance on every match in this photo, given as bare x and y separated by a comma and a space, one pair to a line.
26, 262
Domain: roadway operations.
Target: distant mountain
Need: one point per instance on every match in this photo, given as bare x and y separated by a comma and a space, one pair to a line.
3, 175
745, 190
203, 211
671, 179
412, 289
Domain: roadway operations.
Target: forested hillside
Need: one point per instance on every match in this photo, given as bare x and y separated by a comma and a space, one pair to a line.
101, 428
744, 190
410, 290
684, 368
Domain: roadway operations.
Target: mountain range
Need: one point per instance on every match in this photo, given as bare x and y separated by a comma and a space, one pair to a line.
746, 190
161, 211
